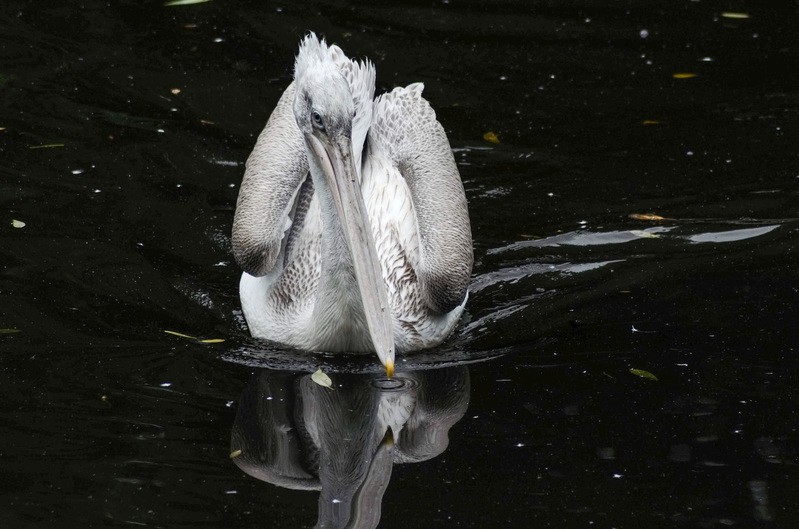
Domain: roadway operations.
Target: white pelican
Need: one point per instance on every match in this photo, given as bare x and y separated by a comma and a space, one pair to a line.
351, 224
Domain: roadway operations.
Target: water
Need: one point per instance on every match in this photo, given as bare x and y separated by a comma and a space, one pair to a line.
109, 421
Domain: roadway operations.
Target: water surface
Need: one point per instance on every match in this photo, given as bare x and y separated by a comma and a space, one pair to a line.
125, 126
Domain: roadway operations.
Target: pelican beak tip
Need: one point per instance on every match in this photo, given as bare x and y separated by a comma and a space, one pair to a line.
390, 368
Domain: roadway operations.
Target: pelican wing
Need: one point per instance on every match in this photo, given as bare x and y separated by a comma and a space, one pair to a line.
405, 130
275, 170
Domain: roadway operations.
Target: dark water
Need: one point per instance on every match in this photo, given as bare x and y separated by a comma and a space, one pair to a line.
105, 420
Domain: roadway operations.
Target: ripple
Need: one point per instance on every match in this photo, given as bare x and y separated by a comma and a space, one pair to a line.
396, 384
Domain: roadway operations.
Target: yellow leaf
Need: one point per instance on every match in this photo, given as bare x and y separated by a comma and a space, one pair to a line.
322, 379
9, 331
491, 137
730, 14
175, 91
181, 335
235, 453
646, 216
213, 340
684, 75
17, 223
643, 374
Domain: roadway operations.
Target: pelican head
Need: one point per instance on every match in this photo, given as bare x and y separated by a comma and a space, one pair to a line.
323, 104
333, 108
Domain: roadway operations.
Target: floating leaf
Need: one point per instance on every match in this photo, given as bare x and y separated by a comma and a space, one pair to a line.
645, 234
175, 91
739, 16
235, 453
684, 75
322, 379
643, 374
2, 129
46, 146
184, 2
491, 137
17, 223
9, 331
181, 335
646, 216
650, 122
194, 338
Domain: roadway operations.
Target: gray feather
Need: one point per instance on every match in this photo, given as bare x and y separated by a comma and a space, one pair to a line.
275, 169
405, 129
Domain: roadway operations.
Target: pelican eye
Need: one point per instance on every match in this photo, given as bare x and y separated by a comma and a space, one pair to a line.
317, 120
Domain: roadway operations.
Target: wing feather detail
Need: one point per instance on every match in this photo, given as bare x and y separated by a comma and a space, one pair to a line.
275, 170
405, 130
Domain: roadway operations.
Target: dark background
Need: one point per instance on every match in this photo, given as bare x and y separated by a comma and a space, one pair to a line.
127, 190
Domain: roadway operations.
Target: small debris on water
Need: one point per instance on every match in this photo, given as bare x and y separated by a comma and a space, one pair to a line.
646, 216
321, 378
491, 137
643, 373
194, 338
172, 3
46, 146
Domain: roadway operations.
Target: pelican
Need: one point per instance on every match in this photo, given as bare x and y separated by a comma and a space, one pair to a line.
351, 223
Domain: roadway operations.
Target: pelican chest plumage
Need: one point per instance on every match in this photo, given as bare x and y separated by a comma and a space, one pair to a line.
351, 224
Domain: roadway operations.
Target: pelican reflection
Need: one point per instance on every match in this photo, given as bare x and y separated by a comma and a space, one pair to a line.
344, 441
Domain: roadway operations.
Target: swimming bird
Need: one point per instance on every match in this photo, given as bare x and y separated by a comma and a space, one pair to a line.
351, 223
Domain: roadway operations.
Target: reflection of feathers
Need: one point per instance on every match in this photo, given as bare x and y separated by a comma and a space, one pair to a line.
440, 402
297, 434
